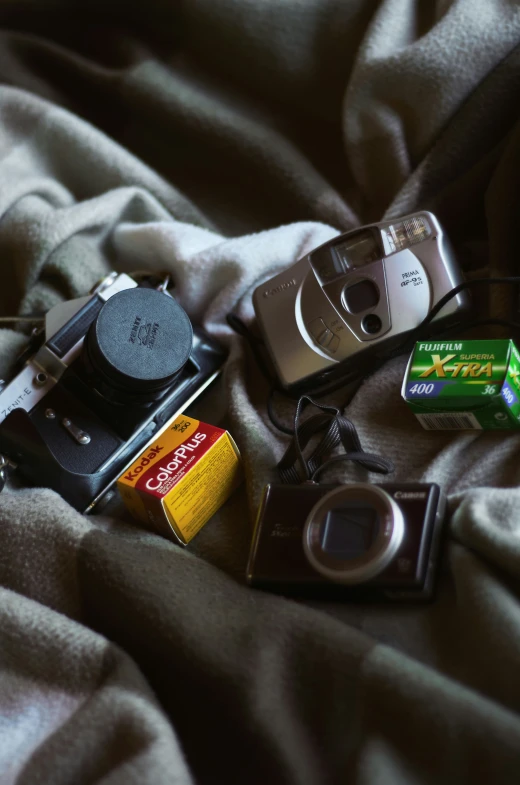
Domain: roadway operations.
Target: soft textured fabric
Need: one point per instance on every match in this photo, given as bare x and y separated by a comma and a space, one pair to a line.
221, 140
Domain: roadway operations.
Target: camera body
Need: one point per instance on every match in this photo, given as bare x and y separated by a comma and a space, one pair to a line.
354, 542
107, 373
356, 294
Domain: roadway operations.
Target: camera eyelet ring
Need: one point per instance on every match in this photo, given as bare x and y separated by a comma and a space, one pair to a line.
104, 283
378, 555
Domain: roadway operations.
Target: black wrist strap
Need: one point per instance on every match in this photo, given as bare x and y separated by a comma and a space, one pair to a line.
294, 468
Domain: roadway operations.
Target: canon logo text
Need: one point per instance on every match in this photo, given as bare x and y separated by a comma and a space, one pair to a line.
279, 288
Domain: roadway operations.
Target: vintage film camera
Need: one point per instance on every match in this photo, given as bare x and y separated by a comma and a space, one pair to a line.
359, 293
350, 542
111, 369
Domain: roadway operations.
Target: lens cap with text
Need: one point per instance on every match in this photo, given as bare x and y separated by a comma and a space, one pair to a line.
140, 340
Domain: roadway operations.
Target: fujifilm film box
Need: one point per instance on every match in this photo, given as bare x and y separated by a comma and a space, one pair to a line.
457, 385
182, 479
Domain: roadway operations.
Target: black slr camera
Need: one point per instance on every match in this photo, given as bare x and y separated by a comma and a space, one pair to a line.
353, 542
109, 370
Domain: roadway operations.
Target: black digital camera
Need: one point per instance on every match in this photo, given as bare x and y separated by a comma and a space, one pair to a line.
107, 373
348, 542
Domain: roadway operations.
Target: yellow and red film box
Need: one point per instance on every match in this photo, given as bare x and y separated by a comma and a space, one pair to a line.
181, 479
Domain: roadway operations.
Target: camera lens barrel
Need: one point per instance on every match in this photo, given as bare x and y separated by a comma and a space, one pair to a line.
353, 533
138, 344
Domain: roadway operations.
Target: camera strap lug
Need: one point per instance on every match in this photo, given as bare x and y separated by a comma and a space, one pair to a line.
5, 464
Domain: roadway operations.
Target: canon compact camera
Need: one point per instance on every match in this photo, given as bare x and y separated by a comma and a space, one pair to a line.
109, 370
349, 542
360, 292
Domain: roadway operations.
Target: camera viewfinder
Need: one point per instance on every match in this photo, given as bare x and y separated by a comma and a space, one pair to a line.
333, 260
358, 250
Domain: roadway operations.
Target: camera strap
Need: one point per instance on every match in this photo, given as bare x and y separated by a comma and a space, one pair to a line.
294, 468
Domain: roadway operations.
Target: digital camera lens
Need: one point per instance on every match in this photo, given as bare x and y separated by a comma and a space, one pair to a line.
138, 344
349, 530
353, 533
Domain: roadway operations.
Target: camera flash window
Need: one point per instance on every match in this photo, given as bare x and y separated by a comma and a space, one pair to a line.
407, 233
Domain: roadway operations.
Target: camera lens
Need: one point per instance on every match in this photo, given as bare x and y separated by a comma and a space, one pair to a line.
353, 533
361, 296
138, 344
371, 323
349, 530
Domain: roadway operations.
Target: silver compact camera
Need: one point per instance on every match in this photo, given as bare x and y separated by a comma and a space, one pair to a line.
95, 386
360, 292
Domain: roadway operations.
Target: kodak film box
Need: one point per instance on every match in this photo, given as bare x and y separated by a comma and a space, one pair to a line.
455, 385
182, 479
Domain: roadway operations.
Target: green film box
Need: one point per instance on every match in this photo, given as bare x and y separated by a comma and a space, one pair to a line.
455, 385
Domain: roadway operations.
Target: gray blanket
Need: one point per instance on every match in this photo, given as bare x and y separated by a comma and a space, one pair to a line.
221, 139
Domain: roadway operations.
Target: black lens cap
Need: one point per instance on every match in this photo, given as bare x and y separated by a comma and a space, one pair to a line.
140, 340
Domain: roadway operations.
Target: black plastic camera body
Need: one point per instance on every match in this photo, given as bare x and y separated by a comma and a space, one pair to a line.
354, 542
112, 368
